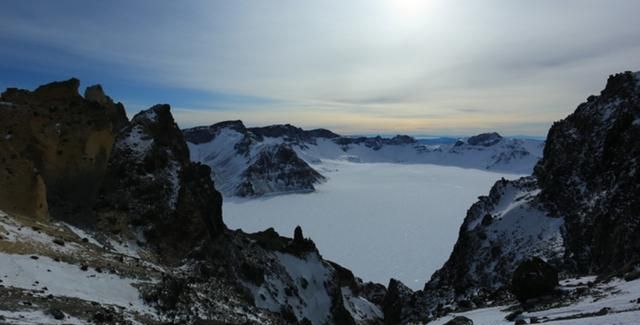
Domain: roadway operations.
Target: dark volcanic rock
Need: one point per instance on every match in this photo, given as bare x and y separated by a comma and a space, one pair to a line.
484, 139
590, 175
151, 183
292, 133
375, 143
204, 134
581, 201
398, 297
278, 170
56, 313
459, 320
322, 133
533, 278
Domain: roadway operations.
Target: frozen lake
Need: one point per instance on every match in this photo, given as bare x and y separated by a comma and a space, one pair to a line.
379, 220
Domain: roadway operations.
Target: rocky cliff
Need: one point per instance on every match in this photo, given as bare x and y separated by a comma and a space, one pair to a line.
591, 177
56, 145
152, 185
578, 211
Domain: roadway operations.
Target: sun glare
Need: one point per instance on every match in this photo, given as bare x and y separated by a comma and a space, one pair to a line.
409, 9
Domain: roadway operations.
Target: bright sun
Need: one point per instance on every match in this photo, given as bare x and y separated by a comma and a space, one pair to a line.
410, 8
409, 14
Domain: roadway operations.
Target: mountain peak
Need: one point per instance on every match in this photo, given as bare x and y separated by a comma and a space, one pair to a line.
484, 139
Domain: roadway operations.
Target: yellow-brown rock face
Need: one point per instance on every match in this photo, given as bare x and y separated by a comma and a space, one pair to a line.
54, 149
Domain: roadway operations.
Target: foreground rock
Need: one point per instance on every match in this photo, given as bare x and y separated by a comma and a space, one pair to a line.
460, 320
151, 184
533, 278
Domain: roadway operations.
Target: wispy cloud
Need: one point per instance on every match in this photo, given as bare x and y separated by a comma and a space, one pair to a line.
439, 66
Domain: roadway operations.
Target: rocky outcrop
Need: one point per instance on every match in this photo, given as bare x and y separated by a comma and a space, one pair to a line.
204, 134
533, 278
55, 148
278, 169
292, 134
151, 184
484, 139
397, 301
590, 175
375, 143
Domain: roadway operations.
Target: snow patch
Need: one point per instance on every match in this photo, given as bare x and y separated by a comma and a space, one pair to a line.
63, 279
311, 300
15, 232
620, 298
36, 317
360, 309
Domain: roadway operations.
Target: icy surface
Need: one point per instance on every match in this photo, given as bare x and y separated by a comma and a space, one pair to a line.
379, 220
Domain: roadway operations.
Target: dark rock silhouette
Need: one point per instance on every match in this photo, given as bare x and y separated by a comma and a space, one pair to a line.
533, 278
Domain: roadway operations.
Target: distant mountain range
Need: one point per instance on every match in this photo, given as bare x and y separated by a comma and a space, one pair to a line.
280, 158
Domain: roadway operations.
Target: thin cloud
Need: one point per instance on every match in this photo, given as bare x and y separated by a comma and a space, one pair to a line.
442, 64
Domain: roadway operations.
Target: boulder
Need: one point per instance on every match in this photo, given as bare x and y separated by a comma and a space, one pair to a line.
397, 297
533, 278
459, 320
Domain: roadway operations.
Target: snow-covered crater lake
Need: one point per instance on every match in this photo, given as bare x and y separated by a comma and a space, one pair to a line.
379, 220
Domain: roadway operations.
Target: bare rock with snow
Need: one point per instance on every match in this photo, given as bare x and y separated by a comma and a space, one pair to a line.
152, 185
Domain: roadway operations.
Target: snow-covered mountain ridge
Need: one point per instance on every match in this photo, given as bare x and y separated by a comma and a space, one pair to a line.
233, 150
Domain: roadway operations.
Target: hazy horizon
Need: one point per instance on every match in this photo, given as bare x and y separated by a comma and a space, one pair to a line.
357, 67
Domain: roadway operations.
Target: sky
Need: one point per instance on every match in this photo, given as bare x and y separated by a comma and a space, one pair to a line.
420, 67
